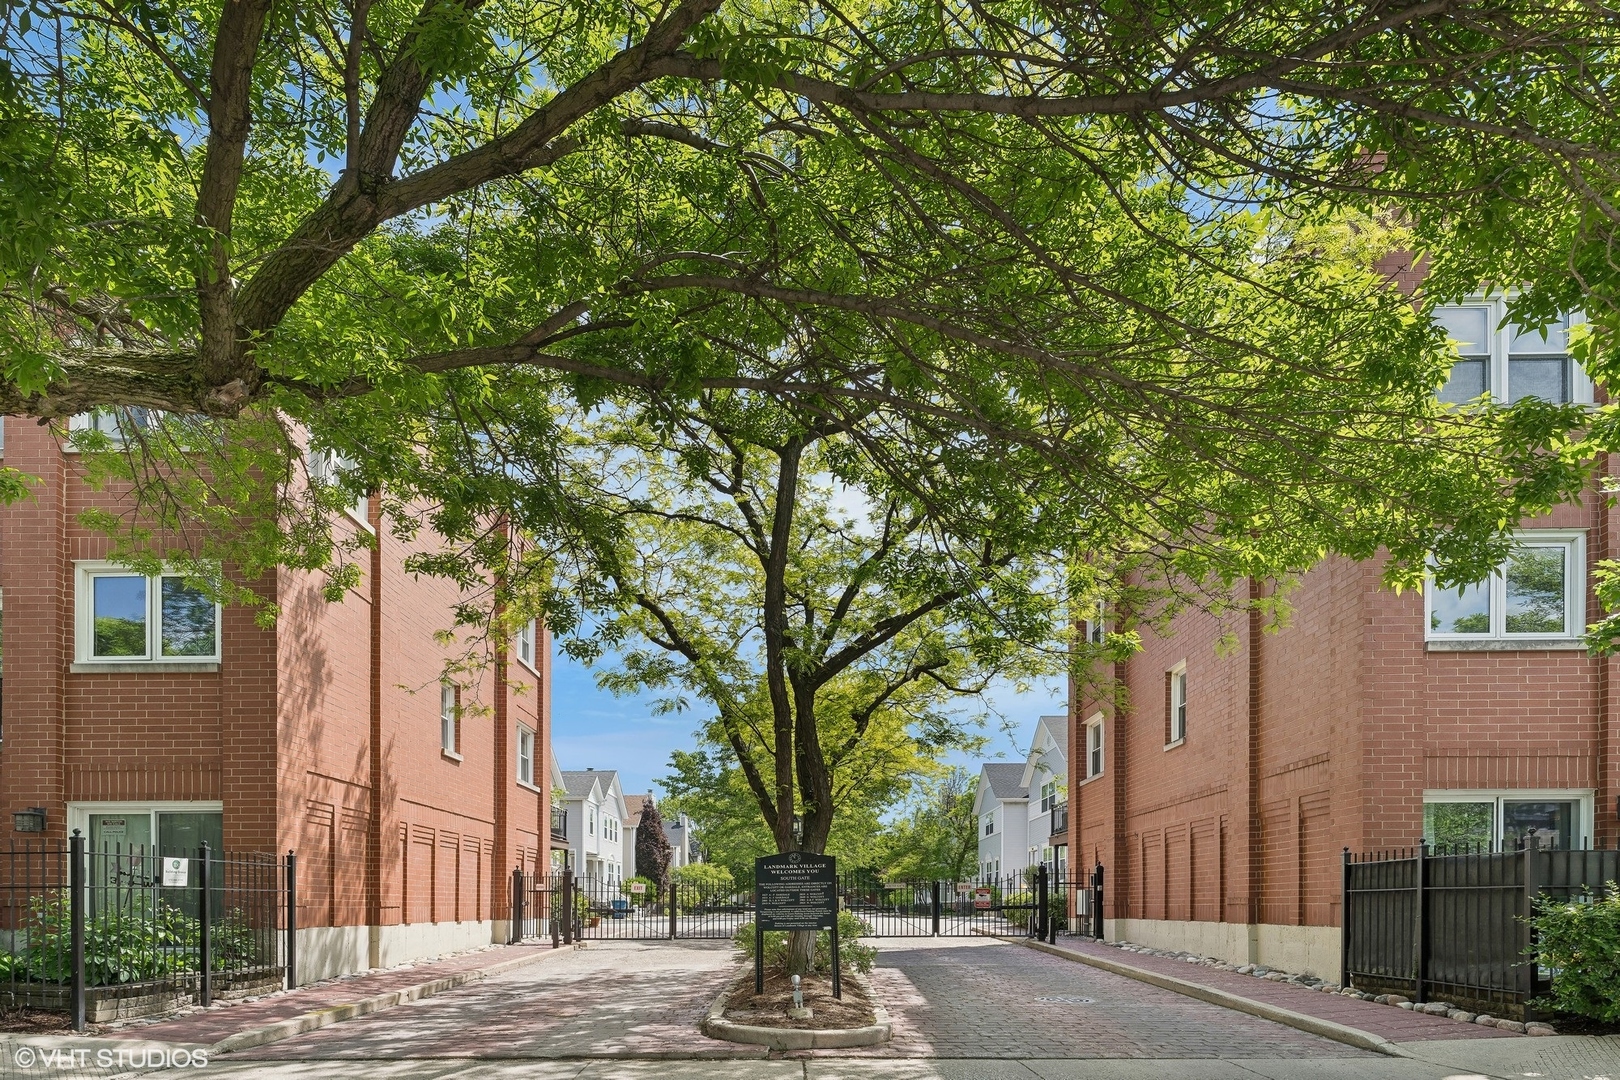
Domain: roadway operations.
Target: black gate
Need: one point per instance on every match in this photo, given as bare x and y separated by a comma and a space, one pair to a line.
623, 911
1453, 927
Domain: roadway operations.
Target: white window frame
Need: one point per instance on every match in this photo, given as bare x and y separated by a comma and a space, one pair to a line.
1096, 759
1048, 798
323, 467
1574, 541
1096, 627
989, 823
1177, 730
1501, 339
80, 813
1581, 829
524, 646
84, 619
525, 734
450, 720
590, 822
105, 421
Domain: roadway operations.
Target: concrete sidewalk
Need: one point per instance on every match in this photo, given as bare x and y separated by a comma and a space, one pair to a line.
1384, 1022
236, 1026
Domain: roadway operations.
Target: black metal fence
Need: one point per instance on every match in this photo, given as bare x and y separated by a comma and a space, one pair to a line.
1038, 903
129, 931
1455, 926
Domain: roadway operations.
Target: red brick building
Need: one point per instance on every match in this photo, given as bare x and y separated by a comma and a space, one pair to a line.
1219, 797
138, 712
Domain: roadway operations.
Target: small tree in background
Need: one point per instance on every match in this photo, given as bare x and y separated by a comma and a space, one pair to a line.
652, 846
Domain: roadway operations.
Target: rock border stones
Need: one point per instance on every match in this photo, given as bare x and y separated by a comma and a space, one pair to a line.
716, 1026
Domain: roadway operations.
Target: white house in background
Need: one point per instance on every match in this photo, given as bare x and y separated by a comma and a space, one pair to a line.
683, 849
1002, 804
596, 817
1046, 781
562, 853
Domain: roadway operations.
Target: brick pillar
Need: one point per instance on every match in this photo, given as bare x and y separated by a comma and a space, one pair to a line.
249, 728
1606, 545
37, 577
377, 827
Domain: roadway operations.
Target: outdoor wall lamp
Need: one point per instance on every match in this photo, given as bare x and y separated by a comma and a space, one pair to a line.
29, 820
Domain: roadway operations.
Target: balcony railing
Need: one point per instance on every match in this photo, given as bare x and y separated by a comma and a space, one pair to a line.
559, 824
1060, 819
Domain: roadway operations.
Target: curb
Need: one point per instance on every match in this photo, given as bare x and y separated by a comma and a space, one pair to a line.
316, 1019
716, 1026
1315, 1025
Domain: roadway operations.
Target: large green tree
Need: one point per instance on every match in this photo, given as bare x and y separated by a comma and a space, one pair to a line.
441, 207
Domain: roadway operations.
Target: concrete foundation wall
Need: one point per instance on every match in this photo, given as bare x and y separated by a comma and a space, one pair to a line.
328, 951
1306, 950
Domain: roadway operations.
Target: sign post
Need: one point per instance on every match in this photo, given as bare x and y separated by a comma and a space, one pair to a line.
795, 891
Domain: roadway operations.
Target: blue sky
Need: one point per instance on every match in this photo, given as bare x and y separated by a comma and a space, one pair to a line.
593, 728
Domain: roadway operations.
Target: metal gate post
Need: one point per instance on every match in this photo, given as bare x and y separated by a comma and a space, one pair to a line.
76, 900
936, 907
516, 934
568, 906
1097, 901
1421, 942
1344, 922
292, 920
1037, 922
1527, 970
673, 914
205, 949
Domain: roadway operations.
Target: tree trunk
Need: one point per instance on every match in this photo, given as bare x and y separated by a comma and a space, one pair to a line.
801, 951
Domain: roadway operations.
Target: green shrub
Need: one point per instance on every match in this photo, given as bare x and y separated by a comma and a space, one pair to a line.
1019, 916
852, 952
706, 876
146, 939
1580, 942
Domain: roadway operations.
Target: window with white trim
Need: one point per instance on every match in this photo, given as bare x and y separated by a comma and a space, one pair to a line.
332, 469
1094, 748
449, 716
1506, 820
123, 617
525, 755
990, 823
524, 642
1176, 728
1507, 361
1538, 592
1096, 627
119, 424
1048, 795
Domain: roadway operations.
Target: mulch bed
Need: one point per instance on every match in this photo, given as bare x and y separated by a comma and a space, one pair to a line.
769, 1009
35, 1022
1566, 1024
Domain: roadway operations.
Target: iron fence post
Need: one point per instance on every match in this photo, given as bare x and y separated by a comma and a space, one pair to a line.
1421, 936
516, 933
76, 899
1344, 922
1037, 922
568, 906
1527, 970
205, 952
1097, 901
935, 884
673, 927
292, 920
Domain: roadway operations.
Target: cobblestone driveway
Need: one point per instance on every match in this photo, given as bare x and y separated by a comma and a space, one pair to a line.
974, 998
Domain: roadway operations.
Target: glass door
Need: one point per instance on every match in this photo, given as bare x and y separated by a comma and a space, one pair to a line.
183, 833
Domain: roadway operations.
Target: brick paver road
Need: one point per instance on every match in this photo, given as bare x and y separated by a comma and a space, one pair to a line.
975, 998
610, 999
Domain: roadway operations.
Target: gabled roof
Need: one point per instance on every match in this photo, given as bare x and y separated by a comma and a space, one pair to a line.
1059, 728
1055, 760
632, 809
1004, 779
578, 782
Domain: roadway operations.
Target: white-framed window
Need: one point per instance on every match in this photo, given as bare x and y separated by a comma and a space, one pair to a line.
329, 468
449, 717
1176, 727
1506, 361
610, 828
1094, 748
1539, 592
1048, 795
119, 424
1506, 819
990, 823
590, 823
1096, 627
524, 643
125, 617
525, 755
